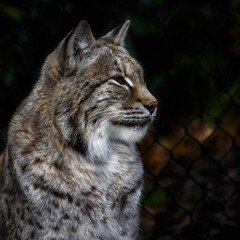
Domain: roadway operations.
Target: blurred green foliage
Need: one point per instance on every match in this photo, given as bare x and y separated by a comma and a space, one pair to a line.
155, 198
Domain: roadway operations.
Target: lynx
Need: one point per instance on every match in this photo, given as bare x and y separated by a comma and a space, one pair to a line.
71, 169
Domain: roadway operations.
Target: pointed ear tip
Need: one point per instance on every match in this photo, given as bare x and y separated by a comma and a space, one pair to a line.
82, 23
127, 22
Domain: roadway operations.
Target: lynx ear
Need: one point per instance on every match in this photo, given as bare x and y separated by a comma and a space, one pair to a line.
77, 40
118, 34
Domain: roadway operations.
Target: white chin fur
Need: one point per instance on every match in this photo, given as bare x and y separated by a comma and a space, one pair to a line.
128, 134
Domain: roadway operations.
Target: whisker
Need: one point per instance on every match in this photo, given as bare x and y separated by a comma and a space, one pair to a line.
99, 115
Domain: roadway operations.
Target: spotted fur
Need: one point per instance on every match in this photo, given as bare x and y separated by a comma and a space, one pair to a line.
71, 169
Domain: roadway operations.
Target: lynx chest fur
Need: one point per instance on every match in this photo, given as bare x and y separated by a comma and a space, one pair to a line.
71, 169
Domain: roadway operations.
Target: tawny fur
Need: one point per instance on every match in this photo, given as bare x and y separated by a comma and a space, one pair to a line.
71, 169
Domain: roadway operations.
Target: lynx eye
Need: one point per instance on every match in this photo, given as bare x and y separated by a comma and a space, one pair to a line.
119, 80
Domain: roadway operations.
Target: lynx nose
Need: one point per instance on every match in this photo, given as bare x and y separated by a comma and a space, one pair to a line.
152, 106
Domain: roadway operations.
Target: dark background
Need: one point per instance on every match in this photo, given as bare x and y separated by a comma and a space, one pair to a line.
190, 53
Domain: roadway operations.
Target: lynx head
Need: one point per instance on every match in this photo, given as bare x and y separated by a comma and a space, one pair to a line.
100, 91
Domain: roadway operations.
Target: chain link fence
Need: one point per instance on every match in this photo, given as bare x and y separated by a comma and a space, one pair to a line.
190, 52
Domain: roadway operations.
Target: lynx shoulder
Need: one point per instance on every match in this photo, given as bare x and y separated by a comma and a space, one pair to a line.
71, 169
